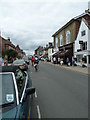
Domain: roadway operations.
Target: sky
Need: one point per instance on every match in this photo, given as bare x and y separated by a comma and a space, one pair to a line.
30, 23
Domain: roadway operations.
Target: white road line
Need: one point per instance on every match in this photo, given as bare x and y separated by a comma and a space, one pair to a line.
38, 110
35, 95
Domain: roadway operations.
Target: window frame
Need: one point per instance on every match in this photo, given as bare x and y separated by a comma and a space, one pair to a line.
67, 36
56, 39
83, 33
61, 40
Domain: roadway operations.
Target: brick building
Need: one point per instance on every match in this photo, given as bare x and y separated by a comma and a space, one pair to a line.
6, 44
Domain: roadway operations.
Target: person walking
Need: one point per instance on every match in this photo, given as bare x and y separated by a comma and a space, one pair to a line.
72, 61
67, 61
58, 60
54, 60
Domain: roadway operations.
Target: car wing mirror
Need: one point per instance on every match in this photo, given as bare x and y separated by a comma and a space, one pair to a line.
30, 91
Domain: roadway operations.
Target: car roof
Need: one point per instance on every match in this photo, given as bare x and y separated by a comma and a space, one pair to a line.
18, 62
8, 68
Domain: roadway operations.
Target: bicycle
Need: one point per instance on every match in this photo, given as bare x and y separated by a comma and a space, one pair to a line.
36, 67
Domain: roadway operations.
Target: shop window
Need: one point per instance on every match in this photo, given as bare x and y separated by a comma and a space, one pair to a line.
61, 40
68, 37
79, 57
84, 59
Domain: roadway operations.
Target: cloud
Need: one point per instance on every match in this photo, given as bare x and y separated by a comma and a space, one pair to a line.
30, 23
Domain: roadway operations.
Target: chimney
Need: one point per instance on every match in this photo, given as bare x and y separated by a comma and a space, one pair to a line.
87, 11
8, 38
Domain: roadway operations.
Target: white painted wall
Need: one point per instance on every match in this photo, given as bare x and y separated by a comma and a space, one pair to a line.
82, 38
88, 40
50, 53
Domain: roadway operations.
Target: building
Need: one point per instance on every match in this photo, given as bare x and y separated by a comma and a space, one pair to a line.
39, 51
50, 51
82, 44
6, 44
64, 38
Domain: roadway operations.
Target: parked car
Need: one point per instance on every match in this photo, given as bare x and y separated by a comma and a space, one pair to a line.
42, 59
15, 97
26, 59
21, 63
47, 59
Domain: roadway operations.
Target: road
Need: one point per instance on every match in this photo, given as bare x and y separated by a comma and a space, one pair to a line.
60, 93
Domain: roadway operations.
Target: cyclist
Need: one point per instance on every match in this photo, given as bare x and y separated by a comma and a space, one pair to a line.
36, 61
32, 60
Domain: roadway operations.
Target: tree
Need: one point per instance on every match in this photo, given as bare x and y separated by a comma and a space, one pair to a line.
11, 54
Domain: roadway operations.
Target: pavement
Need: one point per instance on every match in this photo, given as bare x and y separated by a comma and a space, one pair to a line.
80, 69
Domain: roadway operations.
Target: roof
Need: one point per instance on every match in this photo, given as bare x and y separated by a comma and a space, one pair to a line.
86, 22
71, 21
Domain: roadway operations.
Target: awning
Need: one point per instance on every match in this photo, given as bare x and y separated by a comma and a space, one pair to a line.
57, 53
64, 52
61, 53
52, 54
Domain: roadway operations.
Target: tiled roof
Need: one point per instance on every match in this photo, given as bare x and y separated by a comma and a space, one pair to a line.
68, 23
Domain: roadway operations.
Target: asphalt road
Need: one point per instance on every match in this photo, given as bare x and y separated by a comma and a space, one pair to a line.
60, 93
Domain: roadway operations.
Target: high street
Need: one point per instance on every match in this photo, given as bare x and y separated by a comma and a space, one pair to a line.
60, 93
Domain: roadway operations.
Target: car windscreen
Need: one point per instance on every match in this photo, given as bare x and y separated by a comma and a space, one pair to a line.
26, 58
18, 62
8, 92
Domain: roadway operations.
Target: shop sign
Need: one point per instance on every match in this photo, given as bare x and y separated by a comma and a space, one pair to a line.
80, 42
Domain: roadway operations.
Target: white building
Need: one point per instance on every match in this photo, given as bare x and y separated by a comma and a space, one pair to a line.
82, 44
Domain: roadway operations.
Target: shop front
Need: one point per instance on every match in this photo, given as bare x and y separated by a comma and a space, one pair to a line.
83, 58
66, 51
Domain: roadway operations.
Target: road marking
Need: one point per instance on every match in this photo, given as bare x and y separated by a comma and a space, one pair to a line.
35, 95
38, 110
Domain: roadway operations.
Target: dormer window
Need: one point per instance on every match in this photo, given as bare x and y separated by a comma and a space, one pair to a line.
83, 33
68, 37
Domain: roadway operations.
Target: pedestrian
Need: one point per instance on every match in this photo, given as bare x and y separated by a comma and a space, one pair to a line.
6, 63
58, 60
72, 61
67, 61
54, 60
61, 61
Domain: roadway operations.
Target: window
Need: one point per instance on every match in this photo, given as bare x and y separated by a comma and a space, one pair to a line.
79, 57
83, 33
61, 40
83, 46
20, 79
68, 37
56, 42
8, 92
89, 59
